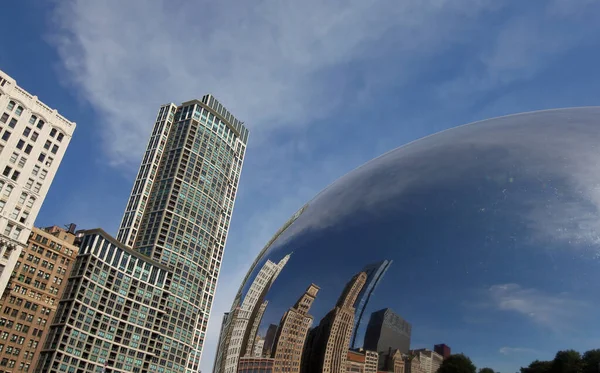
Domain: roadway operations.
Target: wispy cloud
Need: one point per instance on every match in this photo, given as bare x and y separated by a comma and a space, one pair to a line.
553, 311
517, 350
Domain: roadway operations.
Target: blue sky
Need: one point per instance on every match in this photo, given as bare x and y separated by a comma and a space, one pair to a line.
323, 85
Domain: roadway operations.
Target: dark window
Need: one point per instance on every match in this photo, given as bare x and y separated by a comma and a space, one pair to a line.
15, 175
42, 157
5, 135
40, 124
27, 131
60, 137
20, 144
34, 136
13, 123
47, 144
28, 149
53, 132
4, 118
54, 149
7, 170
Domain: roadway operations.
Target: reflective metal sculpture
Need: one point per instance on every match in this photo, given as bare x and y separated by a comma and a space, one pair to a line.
484, 238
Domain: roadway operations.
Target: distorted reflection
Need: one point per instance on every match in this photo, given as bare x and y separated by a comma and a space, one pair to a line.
481, 240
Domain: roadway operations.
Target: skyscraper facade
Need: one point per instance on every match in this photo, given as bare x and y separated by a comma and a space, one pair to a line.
179, 211
375, 273
33, 141
241, 326
386, 330
327, 345
29, 303
291, 334
269, 338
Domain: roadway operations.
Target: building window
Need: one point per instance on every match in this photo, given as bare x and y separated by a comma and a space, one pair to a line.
6, 171
8, 190
35, 170
32, 119
24, 217
11, 105
37, 187
22, 161
23, 198
19, 110
53, 132
6, 136
8, 229
60, 137
13, 157
15, 175
29, 147
2, 204
30, 202
54, 149
20, 144
43, 174
4, 118
41, 157
34, 136
26, 131
29, 184
15, 214
49, 161
12, 123
40, 124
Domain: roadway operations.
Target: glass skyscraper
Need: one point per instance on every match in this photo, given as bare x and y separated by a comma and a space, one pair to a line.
179, 212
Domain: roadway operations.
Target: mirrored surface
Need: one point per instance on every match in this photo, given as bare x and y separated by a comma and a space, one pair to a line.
481, 240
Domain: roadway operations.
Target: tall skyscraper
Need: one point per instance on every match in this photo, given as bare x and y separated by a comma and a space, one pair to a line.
327, 345
240, 335
256, 319
291, 334
31, 298
443, 350
269, 338
33, 141
386, 330
180, 208
375, 274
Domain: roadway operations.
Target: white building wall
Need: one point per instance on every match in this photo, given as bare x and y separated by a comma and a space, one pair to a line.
33, 141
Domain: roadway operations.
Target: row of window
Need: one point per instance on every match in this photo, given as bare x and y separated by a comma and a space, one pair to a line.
33, 120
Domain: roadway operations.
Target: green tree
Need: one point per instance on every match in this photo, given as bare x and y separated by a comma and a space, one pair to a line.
457, 363
486, 370
591, 361
567, 361
538, 367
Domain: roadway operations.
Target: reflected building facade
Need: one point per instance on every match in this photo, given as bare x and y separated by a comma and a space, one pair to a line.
375, 273
269, 338
248, 312
386, 330
327, 347
291, 334
442, 350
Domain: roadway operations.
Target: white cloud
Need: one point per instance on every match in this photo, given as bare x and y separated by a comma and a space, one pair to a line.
516, 350
553, 311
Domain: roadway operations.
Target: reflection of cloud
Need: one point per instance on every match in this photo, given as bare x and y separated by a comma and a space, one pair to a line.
516, 350
551, 311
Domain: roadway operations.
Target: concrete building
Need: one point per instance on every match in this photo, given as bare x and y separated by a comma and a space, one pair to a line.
113, 314
327, 345
375, 273
361, 361
258, 346
254, 329
31, 297
255, 365
430, 360
443, 350
291, 334
33, 141
240, 335
179, 211
392, 361
413, 364
386, 330
269, 338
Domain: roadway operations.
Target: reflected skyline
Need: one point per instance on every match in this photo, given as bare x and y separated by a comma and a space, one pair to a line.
491, 228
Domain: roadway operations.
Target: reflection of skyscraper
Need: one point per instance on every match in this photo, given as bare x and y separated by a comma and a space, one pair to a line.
374, 273
225, 326
443, 350
327, 345
254, 329
291, 334
269, 338
386, 330
430, 360
256, 293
